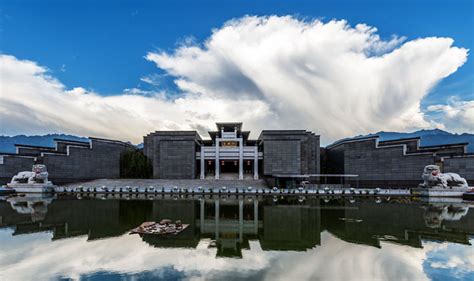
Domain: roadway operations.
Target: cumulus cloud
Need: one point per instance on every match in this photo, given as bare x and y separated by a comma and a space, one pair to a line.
330, 77
31, 101
458, 115
269, 72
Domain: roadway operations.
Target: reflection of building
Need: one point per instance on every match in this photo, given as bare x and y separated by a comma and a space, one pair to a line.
369, 223
69, 217
183, 154
230, 223
183, 210
291, 227
283, 225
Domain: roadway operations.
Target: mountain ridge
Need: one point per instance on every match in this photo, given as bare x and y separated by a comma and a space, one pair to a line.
428, 137
7, 143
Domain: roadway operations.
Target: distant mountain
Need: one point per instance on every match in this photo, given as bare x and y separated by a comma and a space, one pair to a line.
431, 137
428, 137
7, 143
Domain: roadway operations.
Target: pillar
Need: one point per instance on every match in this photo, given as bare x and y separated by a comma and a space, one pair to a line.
203, 176
217, 159
241, 159
255, 164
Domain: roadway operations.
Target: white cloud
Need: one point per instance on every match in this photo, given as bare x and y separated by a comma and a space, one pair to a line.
269, 72
458, 115
32, 102
329, 77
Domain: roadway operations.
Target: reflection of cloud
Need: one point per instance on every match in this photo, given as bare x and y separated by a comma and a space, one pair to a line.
452, 260
339, 260
42, 259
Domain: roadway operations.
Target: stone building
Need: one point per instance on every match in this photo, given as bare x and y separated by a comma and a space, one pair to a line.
229, 153
394, 162
461, 164
68, 161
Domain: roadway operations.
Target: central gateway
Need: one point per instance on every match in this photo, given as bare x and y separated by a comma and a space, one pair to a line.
227, 151
230, 154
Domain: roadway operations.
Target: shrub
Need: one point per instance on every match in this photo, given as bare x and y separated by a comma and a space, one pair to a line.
134, 164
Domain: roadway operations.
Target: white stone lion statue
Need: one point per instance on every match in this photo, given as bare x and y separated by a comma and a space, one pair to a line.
433, 177
39, 174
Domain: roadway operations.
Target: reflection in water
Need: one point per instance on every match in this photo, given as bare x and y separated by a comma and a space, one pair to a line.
435, 214
34, 204
263, 236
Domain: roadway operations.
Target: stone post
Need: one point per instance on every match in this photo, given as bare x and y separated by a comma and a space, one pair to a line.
255, 164
241, 159
217, 159
203, 175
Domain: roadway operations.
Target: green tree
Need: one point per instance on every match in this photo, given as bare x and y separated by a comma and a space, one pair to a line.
135, 165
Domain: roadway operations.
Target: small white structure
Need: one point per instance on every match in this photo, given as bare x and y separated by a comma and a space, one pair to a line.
433, 177
35, 181
437, 184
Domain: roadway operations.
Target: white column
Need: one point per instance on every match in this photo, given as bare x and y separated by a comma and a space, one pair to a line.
255, 164
202, 163
217, 159
241, 159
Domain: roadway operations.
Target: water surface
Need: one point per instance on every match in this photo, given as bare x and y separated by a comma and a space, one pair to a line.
235, 238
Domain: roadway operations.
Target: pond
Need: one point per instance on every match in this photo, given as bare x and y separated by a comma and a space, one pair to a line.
236, 238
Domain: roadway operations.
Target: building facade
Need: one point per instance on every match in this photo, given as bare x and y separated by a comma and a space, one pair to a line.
229, 153
395, 162
68, 161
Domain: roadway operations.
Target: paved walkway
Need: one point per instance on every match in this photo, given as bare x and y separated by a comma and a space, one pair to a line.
171, 183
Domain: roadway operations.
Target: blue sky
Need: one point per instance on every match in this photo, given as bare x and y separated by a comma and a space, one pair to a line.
101, 47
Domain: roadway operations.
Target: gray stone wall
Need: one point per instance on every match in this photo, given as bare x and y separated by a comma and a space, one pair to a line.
282, 157
11, 165
172, 153
290, 152
33, 151
462, 165
384, 163
177, 159
101, 160
335, 160
382, 166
